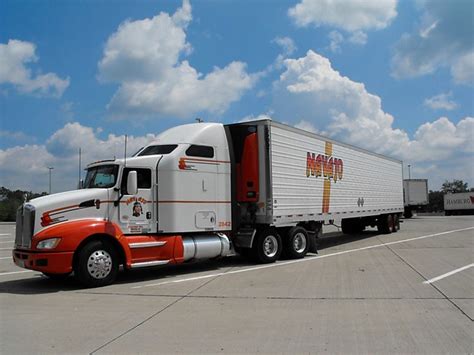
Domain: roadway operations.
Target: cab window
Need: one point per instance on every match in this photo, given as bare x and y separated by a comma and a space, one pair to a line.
202, 151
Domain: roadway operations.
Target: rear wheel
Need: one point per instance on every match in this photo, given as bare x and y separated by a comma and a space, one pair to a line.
385, 223
97, 264
396, 223
297, 243
267, 246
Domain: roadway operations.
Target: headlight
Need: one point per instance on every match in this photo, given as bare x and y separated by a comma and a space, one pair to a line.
50, 243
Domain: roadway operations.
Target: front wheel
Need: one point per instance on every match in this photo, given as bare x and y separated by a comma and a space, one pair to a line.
267, 246
97, 264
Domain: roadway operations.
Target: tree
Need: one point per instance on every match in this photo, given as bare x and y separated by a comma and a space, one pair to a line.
454, 186
11, 200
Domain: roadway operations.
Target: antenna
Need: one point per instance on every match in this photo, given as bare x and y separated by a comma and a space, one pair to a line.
79, 166
125, 154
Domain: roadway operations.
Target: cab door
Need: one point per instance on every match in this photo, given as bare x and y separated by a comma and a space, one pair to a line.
137, 212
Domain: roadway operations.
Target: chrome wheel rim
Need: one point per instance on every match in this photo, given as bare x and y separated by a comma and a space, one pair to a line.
270, 246
99, 264
299, 243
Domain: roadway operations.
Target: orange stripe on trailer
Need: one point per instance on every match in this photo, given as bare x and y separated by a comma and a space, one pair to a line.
327, 182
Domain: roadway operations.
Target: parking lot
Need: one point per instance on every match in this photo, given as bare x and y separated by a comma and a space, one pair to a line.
408, 292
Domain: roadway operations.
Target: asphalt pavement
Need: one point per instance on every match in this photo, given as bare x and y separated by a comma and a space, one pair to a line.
406, 292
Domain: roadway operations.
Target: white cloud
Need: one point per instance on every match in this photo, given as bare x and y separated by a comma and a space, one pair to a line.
443, 39
463, 69
441, 102
349, 15
310, 90
307, 126
14, 58
336, 38
287, 45
145, 58
25, 167
358, 38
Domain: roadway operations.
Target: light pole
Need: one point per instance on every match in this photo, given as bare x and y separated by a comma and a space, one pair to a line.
50, 168
409, 172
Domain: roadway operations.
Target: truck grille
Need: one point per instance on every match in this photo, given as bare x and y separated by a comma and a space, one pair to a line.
25, 223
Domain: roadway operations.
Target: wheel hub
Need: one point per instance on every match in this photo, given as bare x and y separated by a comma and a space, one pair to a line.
270, 246
99, 264
299, 242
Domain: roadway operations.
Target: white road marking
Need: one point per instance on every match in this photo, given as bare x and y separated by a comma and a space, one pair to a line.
15, 272
437, 278
6, 257
304, 260
8, 241
5, 233
6, 249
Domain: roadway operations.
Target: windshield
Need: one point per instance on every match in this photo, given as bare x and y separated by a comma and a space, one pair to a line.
103, 176
158, 149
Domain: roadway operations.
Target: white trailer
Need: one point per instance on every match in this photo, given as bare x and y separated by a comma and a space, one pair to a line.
459, 203
204, 190
415, 195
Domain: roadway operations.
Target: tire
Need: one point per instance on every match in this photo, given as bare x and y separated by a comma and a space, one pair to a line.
384, 223
56, 277
297, 243
267, 247
396, 223
97, 264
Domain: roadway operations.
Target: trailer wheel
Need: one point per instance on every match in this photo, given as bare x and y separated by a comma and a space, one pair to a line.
396, 223
297, 243
267, 246
385, 223
97, 264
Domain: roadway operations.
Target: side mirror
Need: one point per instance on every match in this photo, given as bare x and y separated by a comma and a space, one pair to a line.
80, 184
132, 183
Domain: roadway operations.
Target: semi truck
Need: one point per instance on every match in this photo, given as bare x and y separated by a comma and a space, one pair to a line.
207, 190
459, 203
415, 195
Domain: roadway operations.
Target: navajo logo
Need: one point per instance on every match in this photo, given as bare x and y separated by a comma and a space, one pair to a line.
328, 167
324, 165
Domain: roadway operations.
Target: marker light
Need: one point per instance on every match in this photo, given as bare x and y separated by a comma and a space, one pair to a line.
50, 243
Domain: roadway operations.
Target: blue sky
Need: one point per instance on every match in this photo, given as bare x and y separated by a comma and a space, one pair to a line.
391, 76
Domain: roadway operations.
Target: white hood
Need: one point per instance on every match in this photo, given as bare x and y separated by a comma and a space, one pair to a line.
70, 205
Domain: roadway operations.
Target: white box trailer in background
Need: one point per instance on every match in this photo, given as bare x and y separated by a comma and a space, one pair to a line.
203, 190
459, 203
415, 195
